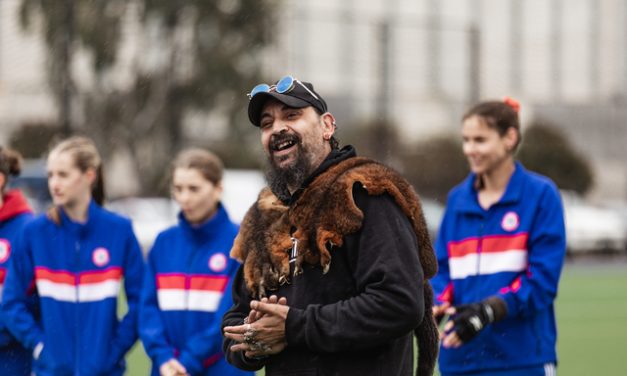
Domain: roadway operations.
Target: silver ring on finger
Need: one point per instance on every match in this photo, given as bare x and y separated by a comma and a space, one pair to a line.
249, 336
259, 346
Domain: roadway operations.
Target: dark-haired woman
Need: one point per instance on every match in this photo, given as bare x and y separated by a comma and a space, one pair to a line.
500, 251
187, 286
77, 256
14, 214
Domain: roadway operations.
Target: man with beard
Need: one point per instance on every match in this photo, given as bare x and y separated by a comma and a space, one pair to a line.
336, 255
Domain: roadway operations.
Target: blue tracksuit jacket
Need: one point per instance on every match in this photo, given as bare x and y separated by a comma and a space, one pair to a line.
14, 214
77, 270
187, 290
514, 250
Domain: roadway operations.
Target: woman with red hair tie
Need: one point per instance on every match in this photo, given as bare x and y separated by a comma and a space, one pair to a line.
500, 253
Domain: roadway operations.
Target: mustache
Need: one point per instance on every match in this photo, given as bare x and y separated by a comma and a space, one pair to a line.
277, 139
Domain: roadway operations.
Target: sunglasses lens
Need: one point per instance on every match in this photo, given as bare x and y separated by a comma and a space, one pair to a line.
285, 84
261, 88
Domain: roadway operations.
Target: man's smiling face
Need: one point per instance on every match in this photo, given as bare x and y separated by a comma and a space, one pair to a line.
295, 141
289, 134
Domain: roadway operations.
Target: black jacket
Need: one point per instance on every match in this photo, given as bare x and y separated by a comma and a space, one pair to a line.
357, 319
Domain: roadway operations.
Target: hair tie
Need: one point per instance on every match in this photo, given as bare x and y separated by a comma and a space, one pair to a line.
513, 103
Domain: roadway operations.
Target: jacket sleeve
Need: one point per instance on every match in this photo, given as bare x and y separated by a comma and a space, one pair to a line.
536, 289
235, 316
208, 342
15, 299
151, 329
442, 284
126, 333
388, 276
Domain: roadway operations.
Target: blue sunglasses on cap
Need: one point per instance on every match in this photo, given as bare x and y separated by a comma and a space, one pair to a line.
284, 85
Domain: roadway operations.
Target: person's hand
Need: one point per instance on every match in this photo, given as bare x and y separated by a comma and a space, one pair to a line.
255, 315
266, 335
172, 368
448, 336
271, 325
466, 322
439, 311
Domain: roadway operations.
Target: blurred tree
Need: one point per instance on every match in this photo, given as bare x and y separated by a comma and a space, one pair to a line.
436, 165
189, 56
432, 166
32, 140
377, 139
547, 151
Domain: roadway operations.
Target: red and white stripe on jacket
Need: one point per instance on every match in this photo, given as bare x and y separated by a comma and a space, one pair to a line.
488, 255
182, 292
89, 286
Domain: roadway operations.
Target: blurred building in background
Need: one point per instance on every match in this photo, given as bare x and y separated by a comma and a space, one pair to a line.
417, 63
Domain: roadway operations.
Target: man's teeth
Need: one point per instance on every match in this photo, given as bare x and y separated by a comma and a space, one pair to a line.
284, 145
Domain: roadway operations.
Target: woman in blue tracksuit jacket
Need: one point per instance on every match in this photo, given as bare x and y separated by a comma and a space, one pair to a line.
500, 252
188, 276
14, 214
76, 257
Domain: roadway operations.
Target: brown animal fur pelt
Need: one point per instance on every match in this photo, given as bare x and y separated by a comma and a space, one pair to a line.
336, 214
322, 216
263, 244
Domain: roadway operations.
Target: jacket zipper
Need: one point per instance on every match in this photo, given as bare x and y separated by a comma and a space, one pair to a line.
76, 310
188, 277
479, 255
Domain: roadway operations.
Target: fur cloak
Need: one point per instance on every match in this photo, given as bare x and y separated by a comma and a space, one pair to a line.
319, 219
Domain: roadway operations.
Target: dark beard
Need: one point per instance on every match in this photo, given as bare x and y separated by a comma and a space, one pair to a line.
279, 179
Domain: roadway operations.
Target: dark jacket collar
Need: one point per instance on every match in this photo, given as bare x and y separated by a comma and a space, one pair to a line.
335, 156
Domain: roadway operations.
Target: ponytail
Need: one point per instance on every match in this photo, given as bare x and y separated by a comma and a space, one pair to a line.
54, 214
98, 191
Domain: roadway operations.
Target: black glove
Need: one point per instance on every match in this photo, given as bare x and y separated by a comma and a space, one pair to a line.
470, 319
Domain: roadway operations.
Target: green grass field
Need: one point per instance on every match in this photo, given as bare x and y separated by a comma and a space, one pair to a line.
592, 322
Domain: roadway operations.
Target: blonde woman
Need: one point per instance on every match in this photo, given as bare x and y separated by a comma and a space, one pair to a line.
78, 255
187, 286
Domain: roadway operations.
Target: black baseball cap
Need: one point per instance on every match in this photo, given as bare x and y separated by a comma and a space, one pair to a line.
296, 97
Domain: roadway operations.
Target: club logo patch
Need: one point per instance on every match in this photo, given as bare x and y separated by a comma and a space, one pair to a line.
5, 250
217, 262
510, 221
100, 256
